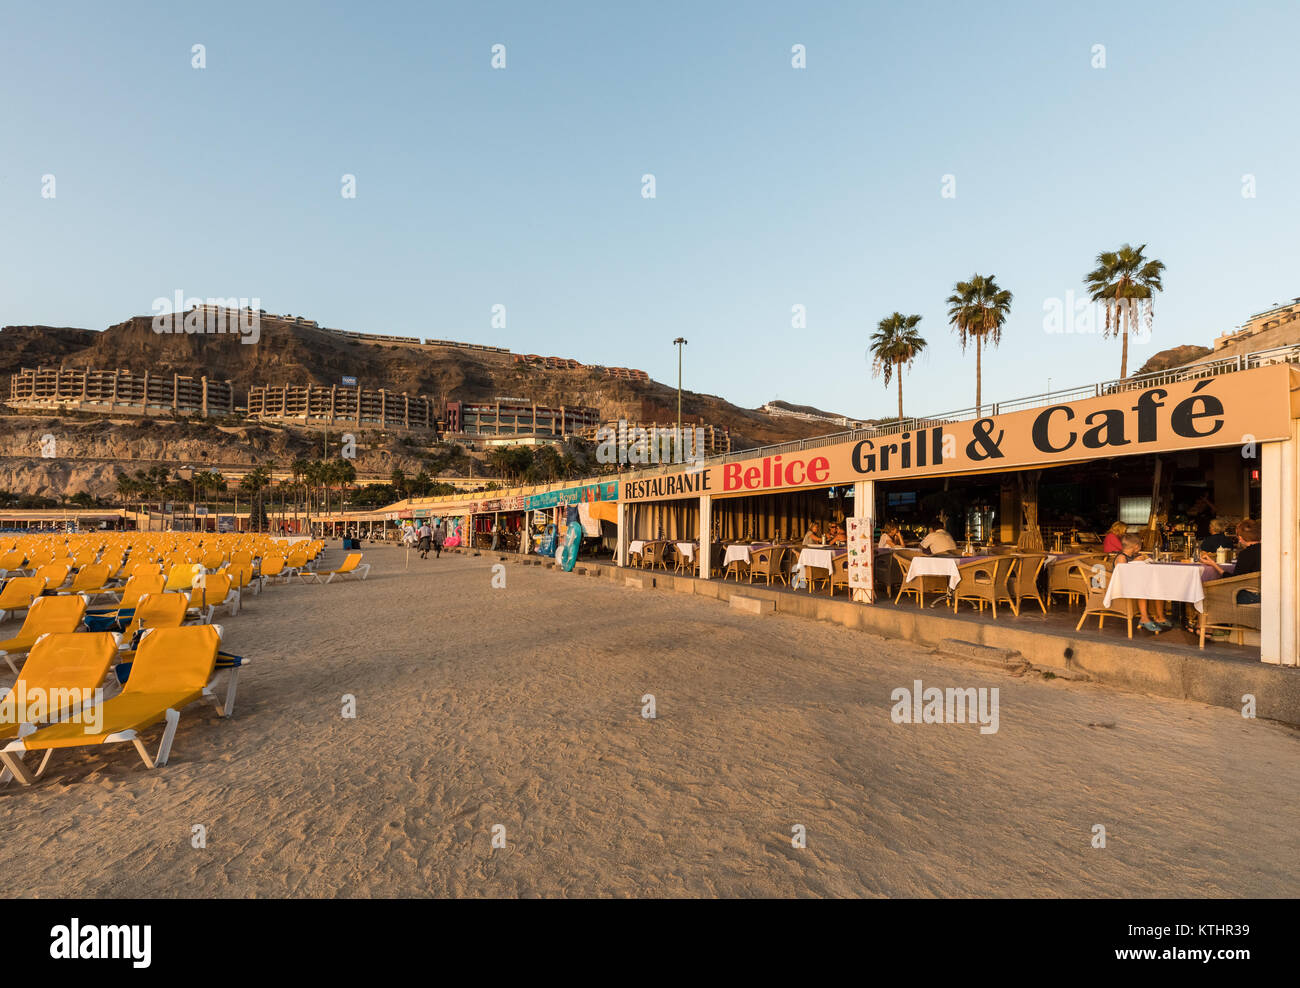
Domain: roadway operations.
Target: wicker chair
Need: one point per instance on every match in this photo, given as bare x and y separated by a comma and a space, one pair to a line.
736, 568
716, 552
920, 585
766, 564
654, 555
815, 575
885, 574
1222, 609
985, 582
840, 573
1094, 601
1061, 577
1024, 580
682, 562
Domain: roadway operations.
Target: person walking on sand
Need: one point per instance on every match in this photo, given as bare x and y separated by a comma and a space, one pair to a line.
426, 536
438, 538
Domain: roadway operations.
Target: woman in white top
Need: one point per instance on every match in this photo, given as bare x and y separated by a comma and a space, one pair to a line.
814, 535
890, 537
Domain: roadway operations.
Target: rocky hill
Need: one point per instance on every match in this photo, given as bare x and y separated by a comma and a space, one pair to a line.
1174, 357
289, 352
91, 450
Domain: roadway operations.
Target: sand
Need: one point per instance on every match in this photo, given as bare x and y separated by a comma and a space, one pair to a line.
521, 707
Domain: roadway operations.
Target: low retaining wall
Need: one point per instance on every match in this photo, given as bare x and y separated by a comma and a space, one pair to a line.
1165, 671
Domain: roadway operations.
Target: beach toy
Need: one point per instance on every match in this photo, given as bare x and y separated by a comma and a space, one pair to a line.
546, 544
568, 553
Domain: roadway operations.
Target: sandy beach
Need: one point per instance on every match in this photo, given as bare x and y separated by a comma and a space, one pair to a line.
521, 707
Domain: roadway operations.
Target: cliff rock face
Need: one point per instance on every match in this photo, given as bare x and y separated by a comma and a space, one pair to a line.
88, 455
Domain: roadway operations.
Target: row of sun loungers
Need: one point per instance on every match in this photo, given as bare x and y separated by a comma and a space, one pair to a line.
108, 609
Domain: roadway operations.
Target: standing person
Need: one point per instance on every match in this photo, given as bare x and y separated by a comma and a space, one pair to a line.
496, 534
425, 534
438, 538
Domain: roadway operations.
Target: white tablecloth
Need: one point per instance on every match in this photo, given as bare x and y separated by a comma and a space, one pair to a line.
820, 558
687, 549
735, 552
1156, 581
935, 566
636, 547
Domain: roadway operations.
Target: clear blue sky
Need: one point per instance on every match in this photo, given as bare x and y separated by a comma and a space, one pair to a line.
775, 186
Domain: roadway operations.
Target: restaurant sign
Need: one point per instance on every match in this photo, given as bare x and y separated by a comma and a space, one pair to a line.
586, 494
1234, 409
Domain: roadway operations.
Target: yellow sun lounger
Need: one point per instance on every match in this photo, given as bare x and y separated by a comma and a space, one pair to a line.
12, 561
215, 590
59, 666
47, 615
352, 566
156, 610
61, 674
54, 573
18, 595
171, 669
90, 579
180, 576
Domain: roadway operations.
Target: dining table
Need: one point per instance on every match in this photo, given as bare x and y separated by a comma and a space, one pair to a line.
818, 557
741, 551
940, 566
1145, 580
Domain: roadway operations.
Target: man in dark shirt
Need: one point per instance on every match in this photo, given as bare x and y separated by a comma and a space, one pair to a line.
1247, 558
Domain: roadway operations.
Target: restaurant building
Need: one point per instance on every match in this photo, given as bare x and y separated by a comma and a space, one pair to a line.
1164, 452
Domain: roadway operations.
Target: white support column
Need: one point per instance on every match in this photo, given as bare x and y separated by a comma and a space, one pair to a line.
864, 499
864, 506
1279, 573
706, 532
620, 556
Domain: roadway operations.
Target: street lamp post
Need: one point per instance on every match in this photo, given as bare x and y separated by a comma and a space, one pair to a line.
679, 343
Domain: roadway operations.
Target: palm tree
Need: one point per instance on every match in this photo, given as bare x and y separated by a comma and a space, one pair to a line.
1125, 280
978, 310
398, 481
894, 345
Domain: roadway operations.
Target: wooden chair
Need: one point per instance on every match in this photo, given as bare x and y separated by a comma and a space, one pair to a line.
1222, 609
766, 564
985, 582
1094, 601
1024, 580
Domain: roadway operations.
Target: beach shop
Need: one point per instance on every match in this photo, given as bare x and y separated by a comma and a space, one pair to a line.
1030, 480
